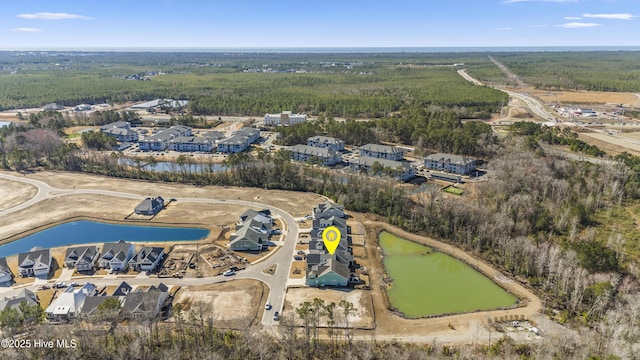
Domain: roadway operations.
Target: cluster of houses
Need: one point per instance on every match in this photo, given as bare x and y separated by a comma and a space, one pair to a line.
253, 230
323, 268
376, 159
181, 138
87, 302
116, 256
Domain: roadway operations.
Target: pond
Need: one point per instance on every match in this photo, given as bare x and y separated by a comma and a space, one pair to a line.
88, 232
427, 283
168, 166
4, 123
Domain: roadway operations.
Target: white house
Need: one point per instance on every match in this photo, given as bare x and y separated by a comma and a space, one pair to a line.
36, 262
147, 259
116, 256
67, 305
83, 258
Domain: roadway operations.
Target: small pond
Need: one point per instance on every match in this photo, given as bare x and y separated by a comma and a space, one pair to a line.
168, 166
88, 232
427, 283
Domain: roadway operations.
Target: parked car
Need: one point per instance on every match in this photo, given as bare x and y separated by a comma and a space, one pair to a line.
267, 306
297, 257
276, 316
229, 273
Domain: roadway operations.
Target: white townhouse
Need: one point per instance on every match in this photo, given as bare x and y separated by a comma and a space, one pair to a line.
36, 262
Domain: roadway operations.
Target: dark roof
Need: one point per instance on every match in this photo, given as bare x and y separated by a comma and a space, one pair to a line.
118, 250
325, 139
122, 290
3, 265
314, 151
41, 255
148, 204
328, 208
91, 303
453, 159
386, 163
86, 253
147, 255
14, 298
381, 148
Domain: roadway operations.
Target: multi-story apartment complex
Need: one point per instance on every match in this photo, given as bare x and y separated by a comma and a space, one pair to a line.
450, 163
326, 142
284, 118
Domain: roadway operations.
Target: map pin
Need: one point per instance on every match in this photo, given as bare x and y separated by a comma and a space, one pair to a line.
331, 238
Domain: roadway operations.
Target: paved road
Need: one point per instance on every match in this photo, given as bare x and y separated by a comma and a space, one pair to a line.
282, 257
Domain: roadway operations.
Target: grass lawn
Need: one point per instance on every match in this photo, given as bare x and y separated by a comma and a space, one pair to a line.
453, 190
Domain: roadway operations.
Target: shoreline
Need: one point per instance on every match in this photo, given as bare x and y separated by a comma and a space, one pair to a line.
40, 228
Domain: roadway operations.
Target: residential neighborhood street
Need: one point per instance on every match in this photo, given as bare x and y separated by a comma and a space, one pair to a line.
282, 256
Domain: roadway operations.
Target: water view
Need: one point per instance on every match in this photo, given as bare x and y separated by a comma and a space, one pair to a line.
86, 232
4, 123
168, 166
429, 283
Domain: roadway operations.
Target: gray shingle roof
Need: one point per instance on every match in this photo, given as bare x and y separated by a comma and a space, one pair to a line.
369, 161
314, 151
453, 159
381, 148
324, 139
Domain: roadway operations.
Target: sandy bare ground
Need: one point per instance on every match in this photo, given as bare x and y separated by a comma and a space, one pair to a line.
616, 145
14, 193
582, 97
363, 318
111, 209
235, 304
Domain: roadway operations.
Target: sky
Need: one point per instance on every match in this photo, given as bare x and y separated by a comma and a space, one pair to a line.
144, 24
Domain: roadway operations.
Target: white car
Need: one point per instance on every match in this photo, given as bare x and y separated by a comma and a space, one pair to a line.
267, 306
229, 273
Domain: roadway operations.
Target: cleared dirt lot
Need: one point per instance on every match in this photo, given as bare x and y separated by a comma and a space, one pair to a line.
295, 203
362, 319
245, 297
112, 209
14, 193
582, 97
610, 143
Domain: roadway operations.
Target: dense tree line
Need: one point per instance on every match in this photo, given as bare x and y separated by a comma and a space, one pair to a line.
592, 70
429, 130
554, 135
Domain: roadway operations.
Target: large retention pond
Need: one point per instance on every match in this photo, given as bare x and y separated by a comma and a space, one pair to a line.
429, 283
87, 232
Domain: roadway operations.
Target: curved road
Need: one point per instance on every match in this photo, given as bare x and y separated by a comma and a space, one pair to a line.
282, 257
